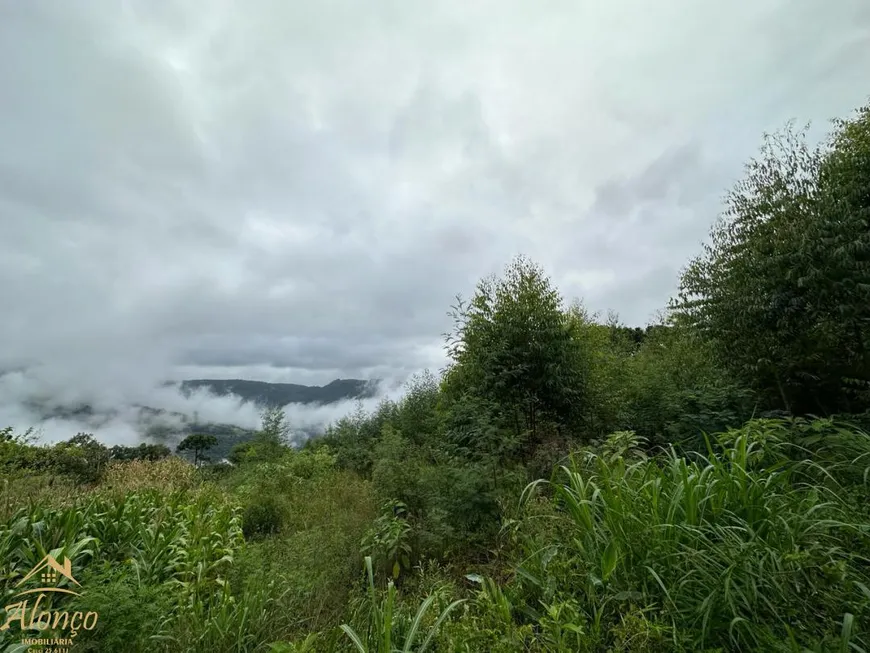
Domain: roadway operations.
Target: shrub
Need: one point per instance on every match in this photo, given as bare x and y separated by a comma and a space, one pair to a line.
142, 452
81, 457
388, 542
261, 519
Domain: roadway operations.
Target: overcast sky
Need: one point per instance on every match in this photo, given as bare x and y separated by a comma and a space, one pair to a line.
296, 190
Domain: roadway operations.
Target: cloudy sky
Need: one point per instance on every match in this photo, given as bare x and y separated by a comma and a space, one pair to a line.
296, 191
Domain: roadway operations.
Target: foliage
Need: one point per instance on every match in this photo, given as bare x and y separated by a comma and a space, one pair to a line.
736, 550
512, 344
388, 541
674, 391
262, 518
354, 436
81, 457
129, 612
782, 292
143, 451
385, 626
198, 443
17, 452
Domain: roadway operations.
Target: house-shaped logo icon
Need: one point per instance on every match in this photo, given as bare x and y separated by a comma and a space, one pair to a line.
50, 572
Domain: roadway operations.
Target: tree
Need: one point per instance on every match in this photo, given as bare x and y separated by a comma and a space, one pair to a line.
416, 413
82, 457
673, 390
144, 451
275, 426
198, 443
269, 443
512, 343
782, 293
606, 349
273, 438
840, 249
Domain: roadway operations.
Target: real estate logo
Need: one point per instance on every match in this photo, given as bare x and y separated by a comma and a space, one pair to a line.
29, 611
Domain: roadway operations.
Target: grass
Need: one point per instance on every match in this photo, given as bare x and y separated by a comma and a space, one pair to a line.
746, 548
383, 629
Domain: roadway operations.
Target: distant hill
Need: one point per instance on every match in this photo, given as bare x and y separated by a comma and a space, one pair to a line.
169, 427
275, 395
268, 395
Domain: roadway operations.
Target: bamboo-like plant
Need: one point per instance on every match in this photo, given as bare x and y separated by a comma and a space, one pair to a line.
378, 638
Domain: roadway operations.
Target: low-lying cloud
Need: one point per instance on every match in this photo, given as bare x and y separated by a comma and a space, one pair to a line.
28, 400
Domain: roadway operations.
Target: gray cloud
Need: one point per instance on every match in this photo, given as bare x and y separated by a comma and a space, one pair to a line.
296, 191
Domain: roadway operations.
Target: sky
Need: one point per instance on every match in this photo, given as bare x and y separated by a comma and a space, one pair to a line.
292, 191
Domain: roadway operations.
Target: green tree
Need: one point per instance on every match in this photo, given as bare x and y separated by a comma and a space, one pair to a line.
270, 443
143, 452
81, 457
840, 251
198, 443
275, 427
394, 472
782, 293
606, 349
416, 414
513, 343
354, 437
673, 390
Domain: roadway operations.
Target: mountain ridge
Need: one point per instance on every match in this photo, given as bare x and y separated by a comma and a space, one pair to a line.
275, 395
164, 425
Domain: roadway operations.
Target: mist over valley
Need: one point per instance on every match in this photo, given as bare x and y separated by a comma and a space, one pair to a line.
230, 409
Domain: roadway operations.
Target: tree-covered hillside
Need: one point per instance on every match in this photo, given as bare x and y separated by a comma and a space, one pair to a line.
276, 395
169, 427
567, 484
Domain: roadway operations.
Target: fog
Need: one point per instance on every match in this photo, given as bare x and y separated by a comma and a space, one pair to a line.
32, 398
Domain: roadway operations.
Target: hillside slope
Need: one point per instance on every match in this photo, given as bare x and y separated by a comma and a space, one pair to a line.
275, 395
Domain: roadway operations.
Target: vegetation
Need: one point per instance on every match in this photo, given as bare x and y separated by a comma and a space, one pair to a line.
567, 484
198, 443
275, 395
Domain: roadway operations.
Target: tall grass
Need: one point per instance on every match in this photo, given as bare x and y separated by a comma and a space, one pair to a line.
742, 548
385, 631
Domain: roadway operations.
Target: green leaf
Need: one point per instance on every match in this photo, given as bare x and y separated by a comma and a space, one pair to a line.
609, 560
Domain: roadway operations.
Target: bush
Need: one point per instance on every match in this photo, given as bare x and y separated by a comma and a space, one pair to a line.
142, 452
388, 542
261, 519
81, 457
17, 452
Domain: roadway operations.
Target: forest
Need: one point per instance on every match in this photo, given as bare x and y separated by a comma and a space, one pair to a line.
568, 483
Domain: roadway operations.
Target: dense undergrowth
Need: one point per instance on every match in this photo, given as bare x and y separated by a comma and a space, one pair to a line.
565, 485
761, 543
